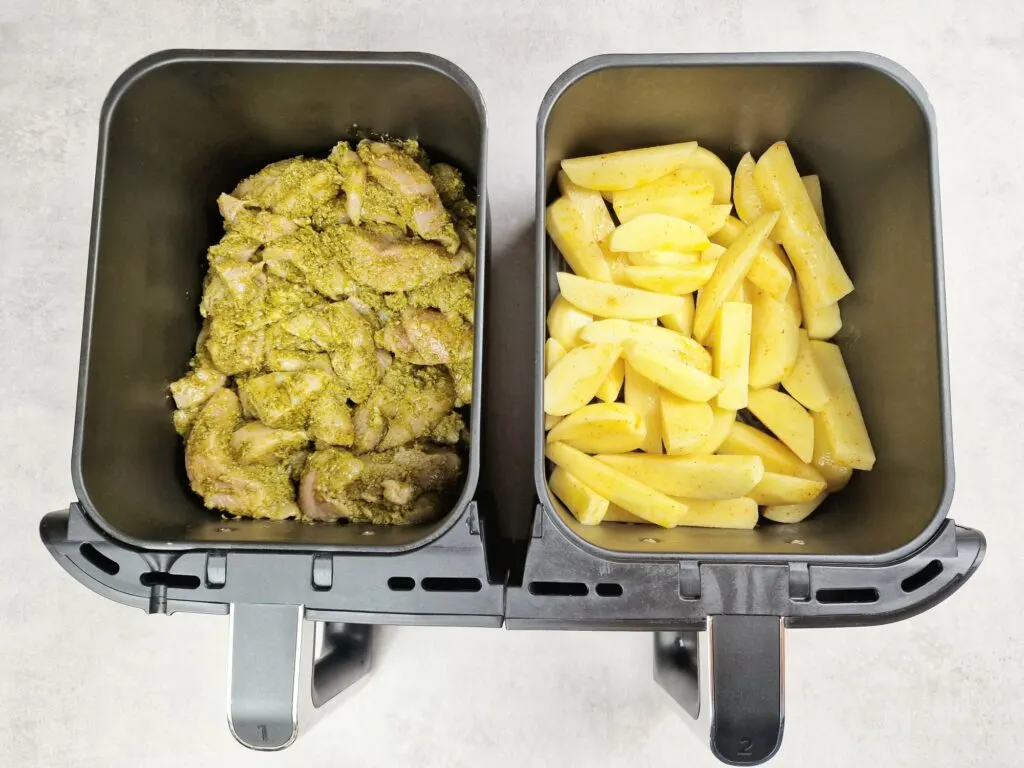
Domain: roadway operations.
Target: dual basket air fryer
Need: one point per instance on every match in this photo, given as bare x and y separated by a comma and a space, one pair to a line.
179, 127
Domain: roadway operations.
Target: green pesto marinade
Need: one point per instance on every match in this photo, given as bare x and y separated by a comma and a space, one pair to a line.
336, 354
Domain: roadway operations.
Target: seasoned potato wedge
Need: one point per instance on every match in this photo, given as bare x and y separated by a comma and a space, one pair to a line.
685, 425
678, 280
553, 352
721, 425
644, 397
612, 385
695, 477
671, 370
787, 420
590, 204
701, 513
575, 379
601, 428
774, 341
731, 354
703, 159
632, 168
770, 273
842, 417
680, 193
658, 232
565, 321
711, 219
570, 235
681, 320
785, 489
835, 475
585, 505
805, 382
744, 440
619, 488
822, 323
746, 198
813, 186
610, 300
550, 421
664, 258
620, 331
794, 513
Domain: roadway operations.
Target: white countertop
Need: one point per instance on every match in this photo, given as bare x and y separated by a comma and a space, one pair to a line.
86, 682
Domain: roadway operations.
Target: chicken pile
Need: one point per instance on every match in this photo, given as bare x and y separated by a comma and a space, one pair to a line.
337, 342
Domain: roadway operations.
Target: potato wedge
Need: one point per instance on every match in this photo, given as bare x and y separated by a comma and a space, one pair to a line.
712, 253
632, 168
567, 229
787, 420
724, 513
746, 198
813, 186
704, 159
684, 424
681, 320
792, 299
822, 323
619, 488
841, 417
769, 272
695, 477
610, 300
644, 397
617, 514
550, 421
729, 232
711, 219
837, 477
658, 232
612, 385
591, 206
677, 280
620, 331
601, 428
744, 440
565, 321
721, 425
730, 358
575, 379
785, 489
794, 513
743, 293
730, 270
553, 352
585, 505
805, 382
664, 258
671, 370
680, 193
774, 341
821, 274
617, 263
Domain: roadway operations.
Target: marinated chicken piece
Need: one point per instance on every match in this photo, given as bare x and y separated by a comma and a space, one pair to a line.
401, 486
264, 491
453, 294
448, 183
462, 376
308, 256
184, 418
262, 226
411, 192
234, 246
353, 178
427, 337
296, 360
332, 214
450, 430
390, 264
284, 298
381, 208
330, 419
234, 348
406, 405
295, 188
232, 288
256, 443
281, 400
465, 212
196, 386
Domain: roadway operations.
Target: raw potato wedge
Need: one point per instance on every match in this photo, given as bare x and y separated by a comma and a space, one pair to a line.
786, 418
670, 370
746, 198
711, 219
575, 379
601, 428
624, 170
617, 514
822, 323
664, 258
658, 232
681, 193
705, 160
835, 475
774, 341
805, 382
585, 505
725, 513
621, 331
570, 235
721, 425
842, 417
813, 186
610, 300
644, 397
785, 489
550, 421
794, 513
712, 253
695, 477
684, 424
612, 385
681, 320
821, 274
565, 321
617, 263
553, 352
731, 354
744, 440
590, 204
620, 489
770, 273
730, 270
677, 280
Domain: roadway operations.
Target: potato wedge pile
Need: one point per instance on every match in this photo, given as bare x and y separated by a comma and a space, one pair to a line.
679, 326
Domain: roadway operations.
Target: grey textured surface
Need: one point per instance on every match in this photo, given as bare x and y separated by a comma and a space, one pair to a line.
85, 682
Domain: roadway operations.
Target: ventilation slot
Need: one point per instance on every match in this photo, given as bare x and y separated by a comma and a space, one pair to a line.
401, 584
609, 590
840, 596
558, 589
169, 580
922, 577
443, 584
98, 559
